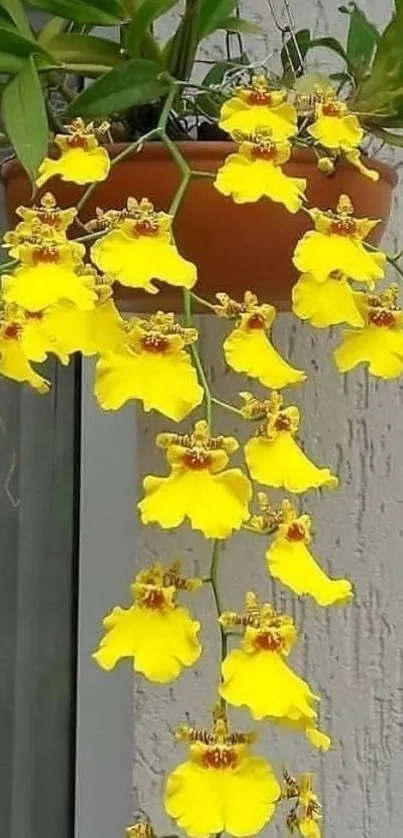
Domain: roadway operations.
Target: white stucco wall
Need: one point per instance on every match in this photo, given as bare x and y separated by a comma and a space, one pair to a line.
353, 656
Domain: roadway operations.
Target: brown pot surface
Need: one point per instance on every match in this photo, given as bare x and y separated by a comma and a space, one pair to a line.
236, 247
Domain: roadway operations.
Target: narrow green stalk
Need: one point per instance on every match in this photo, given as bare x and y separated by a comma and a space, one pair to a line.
392, 260
90, 236
187, 307
203, 302
227, 406
180, 193
162, 122
132, 148
214, 567
4, 266
200, 174
186, 173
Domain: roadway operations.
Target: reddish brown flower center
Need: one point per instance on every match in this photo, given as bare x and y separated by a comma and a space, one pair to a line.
382, 317
77, 141
331, 109
220, 758
12, 331
196, 460
268, 642
45, 254
343, 227
282, 423
153, 598
263, 152
259, 97
255, 321
145, 227
155, 344
295, 532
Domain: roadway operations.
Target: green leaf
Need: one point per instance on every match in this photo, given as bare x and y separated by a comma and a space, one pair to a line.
24, 117
362, 39
211, 14
210, 103
53, 27
15, 10
12, 43
333, 44
145, 14
84, 49
10, 64
389, 137
131, 83
5, 20
294, 49
95, 12
383, 88
238, 24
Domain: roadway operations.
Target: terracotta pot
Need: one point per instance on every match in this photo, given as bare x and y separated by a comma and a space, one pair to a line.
235, 247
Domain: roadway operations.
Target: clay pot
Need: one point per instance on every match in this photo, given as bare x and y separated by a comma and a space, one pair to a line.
236, 247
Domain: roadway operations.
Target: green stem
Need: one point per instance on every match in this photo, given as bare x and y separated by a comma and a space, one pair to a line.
217, 600
162, 122
392, 260
186, 173
4, 266
90, 236
198, 173
227, 406
203, 302
132, 148
187, 307
180, 193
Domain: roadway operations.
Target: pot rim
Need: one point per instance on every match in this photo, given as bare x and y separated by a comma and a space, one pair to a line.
201, 149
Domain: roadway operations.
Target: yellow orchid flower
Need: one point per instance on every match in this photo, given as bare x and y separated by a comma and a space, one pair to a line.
98, 330
45, 219
334, 126
139, 248
82, 159
290, 561
273, 456
257, 676
199, 487
255, 171
337, 245
380, 342
14, 363
248, 348
257, 106
155, 631
49, 274
34, 338
222, 787
338, 130
327, 303
306, 811
152, 366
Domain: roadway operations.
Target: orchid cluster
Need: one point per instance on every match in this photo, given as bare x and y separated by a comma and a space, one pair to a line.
57, 297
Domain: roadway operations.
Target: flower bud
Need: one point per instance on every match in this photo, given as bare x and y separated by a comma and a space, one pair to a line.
326, 165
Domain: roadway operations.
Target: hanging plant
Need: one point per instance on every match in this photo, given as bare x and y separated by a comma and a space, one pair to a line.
280, 136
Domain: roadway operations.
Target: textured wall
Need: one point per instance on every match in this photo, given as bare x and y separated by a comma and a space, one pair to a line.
353, 655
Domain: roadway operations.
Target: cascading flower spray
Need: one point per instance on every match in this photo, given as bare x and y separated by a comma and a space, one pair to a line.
57, 298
